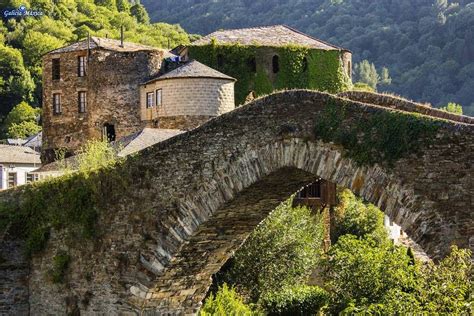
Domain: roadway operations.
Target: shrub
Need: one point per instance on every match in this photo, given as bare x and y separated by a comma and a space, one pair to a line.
225, 302
282, 251
296, 300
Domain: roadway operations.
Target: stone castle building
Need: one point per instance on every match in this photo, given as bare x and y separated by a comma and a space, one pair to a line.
100, 88
268, 58
107, 89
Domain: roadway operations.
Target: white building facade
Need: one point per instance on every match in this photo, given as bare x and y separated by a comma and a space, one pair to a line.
17, 164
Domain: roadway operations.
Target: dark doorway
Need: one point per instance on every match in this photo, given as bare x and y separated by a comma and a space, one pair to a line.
109, 132
275, 64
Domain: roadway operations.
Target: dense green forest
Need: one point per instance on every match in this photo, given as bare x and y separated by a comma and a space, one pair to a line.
427, 45
23, 40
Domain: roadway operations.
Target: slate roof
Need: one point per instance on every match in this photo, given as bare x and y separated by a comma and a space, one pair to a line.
125, 146
273, 36
107, 44
34, 141
144, 139
18, 154
192, 69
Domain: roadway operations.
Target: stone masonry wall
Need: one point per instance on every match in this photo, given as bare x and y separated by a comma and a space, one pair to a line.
195, 198
188, 97
112, 86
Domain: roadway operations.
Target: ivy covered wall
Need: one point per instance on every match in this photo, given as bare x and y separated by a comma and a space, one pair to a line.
252, 66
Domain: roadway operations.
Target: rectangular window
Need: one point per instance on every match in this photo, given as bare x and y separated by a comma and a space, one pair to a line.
158, 97
31, 177
56, 103
81, 66
56, 69
12, 180
149, 99
82, 101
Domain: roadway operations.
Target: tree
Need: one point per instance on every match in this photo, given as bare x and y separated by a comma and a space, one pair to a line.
282, 251
365, 72
452, 107
23, 130
17, 82
225, 302
22, 120
123, 5
139, 12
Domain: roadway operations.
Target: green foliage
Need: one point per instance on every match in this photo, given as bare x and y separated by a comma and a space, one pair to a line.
361, 86
60, 264
226, 302
353, 216
21, 122
299, 67
452, 108
139, 12
295, 300
361, 273
96, 154
16, 84
377, 137
426, 47
70, 202
365, 72
280, 252
23, 129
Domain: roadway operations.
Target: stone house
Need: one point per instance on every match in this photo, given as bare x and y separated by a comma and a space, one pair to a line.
91, 90
186, 97
17, 164
272, 57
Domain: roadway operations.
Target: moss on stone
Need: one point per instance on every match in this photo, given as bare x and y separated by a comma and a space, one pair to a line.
60, 264
299, 67
379, 137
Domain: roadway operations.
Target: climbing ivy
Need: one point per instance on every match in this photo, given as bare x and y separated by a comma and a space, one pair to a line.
378, 137
71, 202
299, 67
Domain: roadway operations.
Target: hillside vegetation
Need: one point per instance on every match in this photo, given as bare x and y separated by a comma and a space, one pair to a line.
23, 40
427, 45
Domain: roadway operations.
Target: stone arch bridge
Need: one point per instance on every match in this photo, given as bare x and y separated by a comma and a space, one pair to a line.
196, 197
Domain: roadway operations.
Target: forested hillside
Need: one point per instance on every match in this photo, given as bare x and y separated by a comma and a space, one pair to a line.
23, 40
427, 45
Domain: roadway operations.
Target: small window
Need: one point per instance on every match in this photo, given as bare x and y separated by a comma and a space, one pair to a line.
158, 97
275, 64
252, 64
31, 177
149, 99
56, 69
310, 191
56, 103
349, 69
305, 64
220, 60
82, 101
81, 66
108, 132
12, 180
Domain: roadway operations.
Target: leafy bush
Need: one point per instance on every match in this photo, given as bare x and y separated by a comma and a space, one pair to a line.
353, 216
452, 108
225, 302
296, 300
282, 251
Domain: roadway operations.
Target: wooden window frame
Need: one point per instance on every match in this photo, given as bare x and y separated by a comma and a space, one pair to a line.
15, 179
56, 103
149, 99
56, 69
82, 101
81, 66
159, 97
